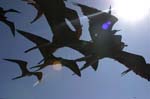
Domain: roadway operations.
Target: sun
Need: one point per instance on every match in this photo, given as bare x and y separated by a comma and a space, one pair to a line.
132, 10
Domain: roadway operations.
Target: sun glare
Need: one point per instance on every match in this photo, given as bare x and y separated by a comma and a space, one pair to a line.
57, 65
132, 10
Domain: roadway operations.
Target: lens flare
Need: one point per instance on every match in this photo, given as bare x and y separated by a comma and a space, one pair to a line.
106, 25
57, 65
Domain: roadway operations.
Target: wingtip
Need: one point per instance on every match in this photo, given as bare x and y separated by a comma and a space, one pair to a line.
6, 59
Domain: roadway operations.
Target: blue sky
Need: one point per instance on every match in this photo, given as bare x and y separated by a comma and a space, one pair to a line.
106, 83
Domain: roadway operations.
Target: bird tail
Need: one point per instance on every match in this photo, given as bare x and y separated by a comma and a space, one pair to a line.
72, 65
39, 75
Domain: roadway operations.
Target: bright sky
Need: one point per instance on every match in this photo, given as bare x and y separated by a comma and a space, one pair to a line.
106, 83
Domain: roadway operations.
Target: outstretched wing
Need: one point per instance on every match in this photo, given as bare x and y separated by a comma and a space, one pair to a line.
134, 62
22, 64
10, 24
46, 50
39, 11
90, 61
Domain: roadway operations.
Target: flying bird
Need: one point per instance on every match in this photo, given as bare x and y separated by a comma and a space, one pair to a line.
37, 7
105, 42
25, 71
99, 21
47, 53
3, 19
52, 60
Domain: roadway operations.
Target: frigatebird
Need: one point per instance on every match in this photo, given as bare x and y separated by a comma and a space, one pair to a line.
3, 19
25, 71
133, 62
37, 7
103, 25
47, 52
99, 21
52, 60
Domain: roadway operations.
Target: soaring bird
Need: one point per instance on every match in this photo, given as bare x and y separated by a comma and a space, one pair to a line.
25, 71
47, 52
52, 60
3, 19
99, 21
105, 42
37, 7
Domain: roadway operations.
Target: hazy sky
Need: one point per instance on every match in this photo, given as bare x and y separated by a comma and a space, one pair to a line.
106, 83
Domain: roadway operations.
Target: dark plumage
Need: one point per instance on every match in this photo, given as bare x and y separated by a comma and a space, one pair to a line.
56, 12
99, 22
3, 19
37, 7
25, 71
135, 63
47, 53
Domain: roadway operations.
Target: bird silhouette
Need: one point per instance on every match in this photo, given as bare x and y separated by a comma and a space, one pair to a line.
56, 12
99, 21
47, 53
52, 60
135, 63
37, 7
105, 42
3, 19
25, 71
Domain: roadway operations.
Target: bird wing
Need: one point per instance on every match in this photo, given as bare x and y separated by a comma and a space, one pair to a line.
11, 25
54, 11
12, 10
46, 50
90, 60
39, 11
22, 64
87, 10
71, 65
134, 62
